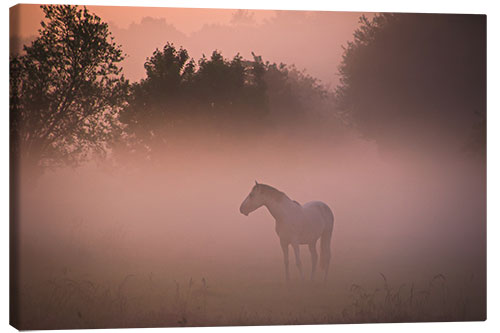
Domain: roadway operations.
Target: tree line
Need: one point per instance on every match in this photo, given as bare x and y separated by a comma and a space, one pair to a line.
69, 98
404, 76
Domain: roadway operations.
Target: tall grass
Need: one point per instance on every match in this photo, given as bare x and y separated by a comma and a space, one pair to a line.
406, 303
147, 301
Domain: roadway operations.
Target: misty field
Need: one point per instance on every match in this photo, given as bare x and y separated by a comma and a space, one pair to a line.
130, 159
130, 246
159, 301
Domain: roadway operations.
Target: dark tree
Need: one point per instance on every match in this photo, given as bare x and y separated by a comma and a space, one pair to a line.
298, 100
415, 79
66, 90
220, 98
155, 102
179, 95
232, 90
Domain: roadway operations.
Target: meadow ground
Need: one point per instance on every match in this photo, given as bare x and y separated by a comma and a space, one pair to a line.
189, 294
167, 246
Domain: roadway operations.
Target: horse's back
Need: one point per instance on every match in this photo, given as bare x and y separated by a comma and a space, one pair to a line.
315, 208
319, 217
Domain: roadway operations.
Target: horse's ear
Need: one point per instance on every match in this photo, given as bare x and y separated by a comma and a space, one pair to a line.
256, 183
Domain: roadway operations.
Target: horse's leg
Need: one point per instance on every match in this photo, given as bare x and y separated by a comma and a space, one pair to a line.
326, 270
296, 250
314, 258
284, 247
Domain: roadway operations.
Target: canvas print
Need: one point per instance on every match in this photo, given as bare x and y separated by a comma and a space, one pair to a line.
212, 167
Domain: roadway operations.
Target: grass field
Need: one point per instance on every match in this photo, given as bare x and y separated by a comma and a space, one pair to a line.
169, 247
127, 296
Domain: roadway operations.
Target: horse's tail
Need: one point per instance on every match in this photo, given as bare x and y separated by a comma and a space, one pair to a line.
326, 237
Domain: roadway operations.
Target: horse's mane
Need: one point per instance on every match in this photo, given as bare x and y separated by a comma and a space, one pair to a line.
274, 192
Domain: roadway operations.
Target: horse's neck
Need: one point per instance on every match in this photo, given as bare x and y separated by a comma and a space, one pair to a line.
279, 208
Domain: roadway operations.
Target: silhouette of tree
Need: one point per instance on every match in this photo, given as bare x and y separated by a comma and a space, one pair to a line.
297, 99
219, 97
233, 91
179, 93
66, 89
416, 79
157, 100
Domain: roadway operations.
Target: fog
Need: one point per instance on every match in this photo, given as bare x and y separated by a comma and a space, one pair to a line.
139, 225
147, 232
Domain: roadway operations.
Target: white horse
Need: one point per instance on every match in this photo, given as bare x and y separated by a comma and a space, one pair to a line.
296, 224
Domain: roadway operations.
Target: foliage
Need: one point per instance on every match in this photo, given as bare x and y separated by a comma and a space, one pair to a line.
66, 89
407, 303
176, 87
217, 94
297, 98
69, 100
416, 76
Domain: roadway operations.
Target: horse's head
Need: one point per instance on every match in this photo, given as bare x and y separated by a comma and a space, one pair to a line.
253, 201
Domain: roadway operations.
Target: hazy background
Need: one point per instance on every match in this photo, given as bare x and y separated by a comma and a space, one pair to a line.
282, 36
159, 240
